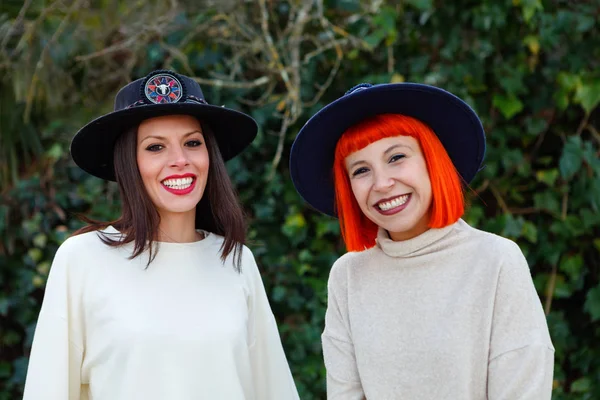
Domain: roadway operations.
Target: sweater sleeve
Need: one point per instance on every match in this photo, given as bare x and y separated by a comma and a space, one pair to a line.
521, 352
272, 377
54, 370
343, 380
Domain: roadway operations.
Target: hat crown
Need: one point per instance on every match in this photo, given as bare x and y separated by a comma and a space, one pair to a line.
159, 87
453, 121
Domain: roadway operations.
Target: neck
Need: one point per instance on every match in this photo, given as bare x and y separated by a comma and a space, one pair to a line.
178, 228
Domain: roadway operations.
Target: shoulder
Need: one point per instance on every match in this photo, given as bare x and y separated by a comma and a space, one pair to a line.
350, 263
74, 252
86, 252
490, 243
85, 242
248, 263
248, 260
352, 258
217, 241
505, 255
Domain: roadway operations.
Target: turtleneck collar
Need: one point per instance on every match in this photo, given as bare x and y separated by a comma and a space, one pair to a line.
413, 247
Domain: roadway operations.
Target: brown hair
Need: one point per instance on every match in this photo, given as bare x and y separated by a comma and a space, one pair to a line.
219, 210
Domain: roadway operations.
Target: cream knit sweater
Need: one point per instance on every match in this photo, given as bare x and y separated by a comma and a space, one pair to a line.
451, 314
187, 327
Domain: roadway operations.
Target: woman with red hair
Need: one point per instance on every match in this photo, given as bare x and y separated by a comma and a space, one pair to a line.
423, 306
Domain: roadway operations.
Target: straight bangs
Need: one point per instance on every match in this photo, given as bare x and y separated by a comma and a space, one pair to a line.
447, 204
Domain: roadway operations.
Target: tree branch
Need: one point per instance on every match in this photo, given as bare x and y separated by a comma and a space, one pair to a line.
40, 63
263, 80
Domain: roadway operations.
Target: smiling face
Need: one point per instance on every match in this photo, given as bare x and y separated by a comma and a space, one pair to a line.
390, 182
173, 162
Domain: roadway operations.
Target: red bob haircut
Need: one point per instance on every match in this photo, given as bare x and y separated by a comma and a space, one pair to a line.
447, 204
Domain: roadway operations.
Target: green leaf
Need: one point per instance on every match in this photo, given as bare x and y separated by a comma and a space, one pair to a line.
582, 385
55, 152
5, 370
533, 43
509, 106
571, 158
349, 5
589, 218
386, 19
591, 158
529, 232
530, 7
278, 294
568, 81
561, 98
513, 227
588, 95
375, 38
327, 225
585, 22
294, 225
43, 268
594, 194
592, 303
572, 266
35, 254
422, 5
40, 240
4, 306
574, 226
546, 201
562, 290
547, 176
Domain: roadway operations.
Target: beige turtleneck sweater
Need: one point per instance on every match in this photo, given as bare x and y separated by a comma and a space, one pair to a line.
451, 314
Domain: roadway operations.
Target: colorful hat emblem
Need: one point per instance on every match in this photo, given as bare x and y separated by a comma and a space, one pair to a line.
163, 88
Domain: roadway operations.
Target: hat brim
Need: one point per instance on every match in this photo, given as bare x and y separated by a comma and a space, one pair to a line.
93, 146
454, 122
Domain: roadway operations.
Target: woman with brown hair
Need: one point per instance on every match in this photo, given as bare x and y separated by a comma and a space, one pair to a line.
165, 302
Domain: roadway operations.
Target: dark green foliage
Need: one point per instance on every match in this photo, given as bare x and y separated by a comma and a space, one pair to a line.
530, 68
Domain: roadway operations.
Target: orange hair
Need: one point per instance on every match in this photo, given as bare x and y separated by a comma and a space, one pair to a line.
447, 204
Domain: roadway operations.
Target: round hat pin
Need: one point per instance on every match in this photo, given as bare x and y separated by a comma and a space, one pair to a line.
163, 88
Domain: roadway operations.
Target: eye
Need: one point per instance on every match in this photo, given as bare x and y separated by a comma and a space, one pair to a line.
193, 143
155, 147
396, 157
360, 171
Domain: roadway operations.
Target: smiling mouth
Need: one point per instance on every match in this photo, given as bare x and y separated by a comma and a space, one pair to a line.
391, 204
179, 183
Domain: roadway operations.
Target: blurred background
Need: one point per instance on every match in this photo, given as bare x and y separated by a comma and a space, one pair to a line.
530, 68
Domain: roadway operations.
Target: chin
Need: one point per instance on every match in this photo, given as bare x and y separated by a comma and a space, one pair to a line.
179, 208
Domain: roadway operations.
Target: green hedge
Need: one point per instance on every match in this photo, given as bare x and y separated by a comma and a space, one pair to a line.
530, 68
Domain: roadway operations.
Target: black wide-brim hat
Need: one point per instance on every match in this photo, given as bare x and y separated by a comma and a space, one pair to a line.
454, 122
158, 94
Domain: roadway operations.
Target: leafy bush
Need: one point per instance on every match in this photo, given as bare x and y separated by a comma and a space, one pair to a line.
529, 67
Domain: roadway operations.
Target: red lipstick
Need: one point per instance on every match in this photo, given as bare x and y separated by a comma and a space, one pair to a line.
180, 192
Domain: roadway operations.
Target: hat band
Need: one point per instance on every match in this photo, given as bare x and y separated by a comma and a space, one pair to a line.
189, 99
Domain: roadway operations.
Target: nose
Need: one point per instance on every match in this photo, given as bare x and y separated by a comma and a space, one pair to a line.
178, 157
382, 181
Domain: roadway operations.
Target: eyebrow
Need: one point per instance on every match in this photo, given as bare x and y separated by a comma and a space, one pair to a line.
389, 149
394, 147
164, 138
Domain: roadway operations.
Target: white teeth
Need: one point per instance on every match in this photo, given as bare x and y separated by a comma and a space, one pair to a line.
179, 184
388, 205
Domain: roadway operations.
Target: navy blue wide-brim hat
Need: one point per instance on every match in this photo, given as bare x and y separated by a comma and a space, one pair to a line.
455, 123
158, 94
